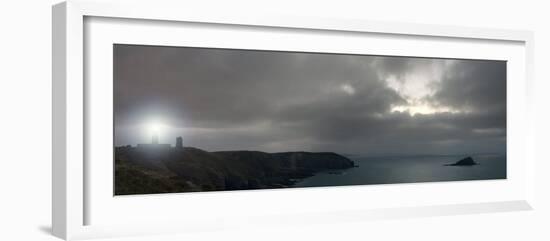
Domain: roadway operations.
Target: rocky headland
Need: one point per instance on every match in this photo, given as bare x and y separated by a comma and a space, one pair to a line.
188, 169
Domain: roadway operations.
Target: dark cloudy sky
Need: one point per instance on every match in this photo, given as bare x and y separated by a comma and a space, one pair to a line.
219, 99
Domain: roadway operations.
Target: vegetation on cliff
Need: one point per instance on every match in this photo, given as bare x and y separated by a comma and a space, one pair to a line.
169, 170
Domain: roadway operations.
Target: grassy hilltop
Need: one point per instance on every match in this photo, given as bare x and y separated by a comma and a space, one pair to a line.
188, 169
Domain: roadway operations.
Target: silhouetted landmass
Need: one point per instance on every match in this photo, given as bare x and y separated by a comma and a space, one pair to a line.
468, 161
162, 169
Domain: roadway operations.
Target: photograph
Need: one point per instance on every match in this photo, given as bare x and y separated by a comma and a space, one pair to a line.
194, 119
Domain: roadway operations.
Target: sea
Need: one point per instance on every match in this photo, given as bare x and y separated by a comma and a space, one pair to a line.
409, 169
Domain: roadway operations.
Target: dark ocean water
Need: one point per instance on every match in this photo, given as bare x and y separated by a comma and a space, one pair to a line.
388, 170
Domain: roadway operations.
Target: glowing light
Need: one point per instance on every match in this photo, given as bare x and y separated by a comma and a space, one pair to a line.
155, 128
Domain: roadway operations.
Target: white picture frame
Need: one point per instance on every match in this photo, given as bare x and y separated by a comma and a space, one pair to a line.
73, 192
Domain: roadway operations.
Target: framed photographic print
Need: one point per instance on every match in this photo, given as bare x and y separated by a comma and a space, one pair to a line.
180, 114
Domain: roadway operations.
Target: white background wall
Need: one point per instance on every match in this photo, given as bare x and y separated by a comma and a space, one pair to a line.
25, 110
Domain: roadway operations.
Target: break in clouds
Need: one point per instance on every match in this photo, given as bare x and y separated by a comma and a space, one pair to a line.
219, 99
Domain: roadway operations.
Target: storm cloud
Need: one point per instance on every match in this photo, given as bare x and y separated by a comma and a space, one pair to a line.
222, 99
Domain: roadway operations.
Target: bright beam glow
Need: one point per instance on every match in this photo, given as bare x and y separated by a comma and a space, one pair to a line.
156, 128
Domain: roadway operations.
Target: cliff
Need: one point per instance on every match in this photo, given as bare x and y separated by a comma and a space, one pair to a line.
142, 171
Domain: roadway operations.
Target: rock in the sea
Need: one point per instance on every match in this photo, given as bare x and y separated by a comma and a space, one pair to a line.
468, 161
